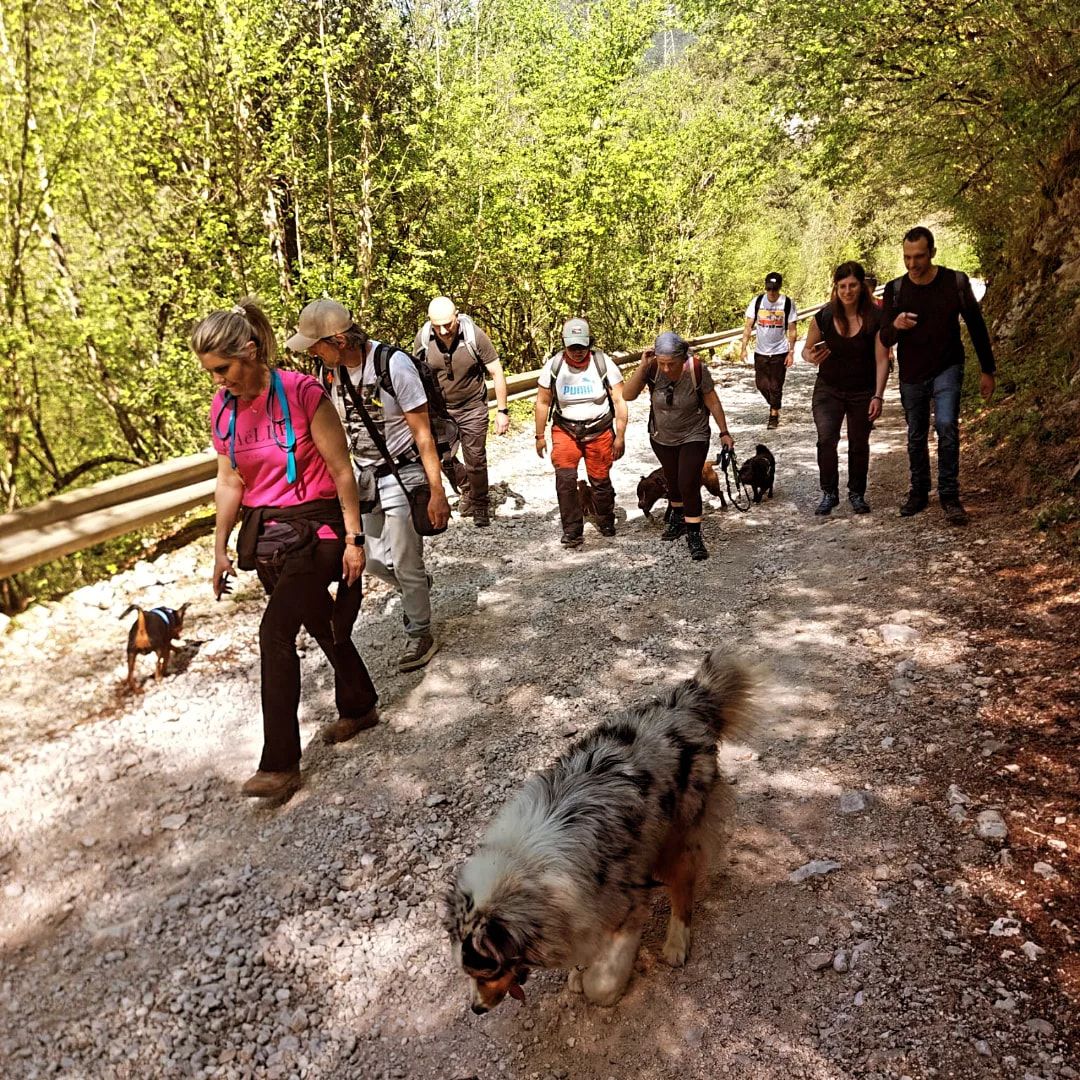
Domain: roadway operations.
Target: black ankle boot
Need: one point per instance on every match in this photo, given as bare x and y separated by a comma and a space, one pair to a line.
698, 550
676, 524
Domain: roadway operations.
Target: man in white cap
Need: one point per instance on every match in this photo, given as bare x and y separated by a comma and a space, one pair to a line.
462, 356
772, 317
393, 396
580, 391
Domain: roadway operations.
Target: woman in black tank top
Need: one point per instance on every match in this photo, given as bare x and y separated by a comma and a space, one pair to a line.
853, 368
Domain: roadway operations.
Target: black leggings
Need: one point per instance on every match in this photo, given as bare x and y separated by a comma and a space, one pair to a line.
682, 471
299, 597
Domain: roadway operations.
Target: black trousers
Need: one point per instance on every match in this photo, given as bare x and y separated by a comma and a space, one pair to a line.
769, 375
682, 471
299, 597
830, 407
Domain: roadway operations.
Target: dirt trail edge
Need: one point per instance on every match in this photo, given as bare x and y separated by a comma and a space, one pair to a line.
900, 897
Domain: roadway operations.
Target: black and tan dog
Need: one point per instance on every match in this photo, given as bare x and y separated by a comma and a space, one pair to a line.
652, 488
759, 472
152, 632
564, 876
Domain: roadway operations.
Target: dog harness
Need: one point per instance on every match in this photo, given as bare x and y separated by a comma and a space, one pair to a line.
165, 613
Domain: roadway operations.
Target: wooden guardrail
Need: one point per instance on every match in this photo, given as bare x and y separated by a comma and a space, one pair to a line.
79, 519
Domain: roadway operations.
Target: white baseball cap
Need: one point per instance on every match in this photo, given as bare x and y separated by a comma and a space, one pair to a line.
319, 319
576, 332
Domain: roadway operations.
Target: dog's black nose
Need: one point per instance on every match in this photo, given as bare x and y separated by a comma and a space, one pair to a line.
479, 1009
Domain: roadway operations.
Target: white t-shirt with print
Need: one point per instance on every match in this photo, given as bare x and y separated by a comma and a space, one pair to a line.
770, 328
580, 394
386, 410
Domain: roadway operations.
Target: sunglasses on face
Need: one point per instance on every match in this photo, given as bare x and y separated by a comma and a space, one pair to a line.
669, 393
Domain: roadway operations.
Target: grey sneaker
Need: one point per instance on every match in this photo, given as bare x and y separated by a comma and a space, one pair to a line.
417, 653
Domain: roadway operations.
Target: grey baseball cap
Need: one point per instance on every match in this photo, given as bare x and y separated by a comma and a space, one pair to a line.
576, 332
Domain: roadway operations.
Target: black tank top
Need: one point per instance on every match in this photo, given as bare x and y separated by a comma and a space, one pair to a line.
851, 365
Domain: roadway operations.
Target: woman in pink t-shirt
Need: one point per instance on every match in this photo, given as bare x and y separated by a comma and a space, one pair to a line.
284, 469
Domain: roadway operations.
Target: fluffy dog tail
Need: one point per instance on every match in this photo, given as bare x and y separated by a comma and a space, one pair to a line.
732, 687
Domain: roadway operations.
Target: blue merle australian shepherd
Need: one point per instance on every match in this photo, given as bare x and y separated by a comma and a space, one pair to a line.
564, 876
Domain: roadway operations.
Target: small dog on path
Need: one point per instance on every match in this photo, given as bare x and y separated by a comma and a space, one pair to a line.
564, 876
652, 488
152, 632
759, 472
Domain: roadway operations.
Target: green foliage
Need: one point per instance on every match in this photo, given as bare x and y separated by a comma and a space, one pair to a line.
530, 158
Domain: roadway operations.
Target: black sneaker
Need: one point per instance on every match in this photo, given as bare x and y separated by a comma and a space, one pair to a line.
571, 541
955, 514
774, 421
915, 503
607, 528
828, 501
698, 550
859, 505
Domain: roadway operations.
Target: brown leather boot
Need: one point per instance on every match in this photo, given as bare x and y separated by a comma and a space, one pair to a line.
271, 785
345, 727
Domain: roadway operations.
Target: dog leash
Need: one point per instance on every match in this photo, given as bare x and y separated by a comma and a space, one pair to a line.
729, 465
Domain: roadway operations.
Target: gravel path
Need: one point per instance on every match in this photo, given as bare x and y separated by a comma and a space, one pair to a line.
152, 923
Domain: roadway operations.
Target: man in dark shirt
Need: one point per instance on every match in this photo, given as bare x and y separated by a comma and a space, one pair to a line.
921, 315
461, 355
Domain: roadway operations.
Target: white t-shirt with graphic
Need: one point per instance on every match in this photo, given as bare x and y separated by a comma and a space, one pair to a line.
770, 327
386, 410
580, 394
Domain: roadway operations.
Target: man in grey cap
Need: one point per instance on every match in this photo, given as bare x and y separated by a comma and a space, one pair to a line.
462, 356
396, 402
772, 317
580, 391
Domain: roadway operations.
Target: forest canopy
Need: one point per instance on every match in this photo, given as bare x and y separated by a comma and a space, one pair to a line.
637, 163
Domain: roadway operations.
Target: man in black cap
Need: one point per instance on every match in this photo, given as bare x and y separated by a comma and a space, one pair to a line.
772, 316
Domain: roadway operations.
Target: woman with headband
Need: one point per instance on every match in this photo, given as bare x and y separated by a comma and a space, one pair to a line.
284, 468
683, 398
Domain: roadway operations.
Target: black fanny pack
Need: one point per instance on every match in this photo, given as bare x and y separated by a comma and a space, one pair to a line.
584, 430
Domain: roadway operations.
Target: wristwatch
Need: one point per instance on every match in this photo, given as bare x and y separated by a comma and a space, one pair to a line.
505, 412
355, 539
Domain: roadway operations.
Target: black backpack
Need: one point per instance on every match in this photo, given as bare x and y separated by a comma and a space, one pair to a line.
444, 429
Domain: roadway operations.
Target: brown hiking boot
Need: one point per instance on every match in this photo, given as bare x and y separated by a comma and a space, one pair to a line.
481, 517
271, 785
345, 727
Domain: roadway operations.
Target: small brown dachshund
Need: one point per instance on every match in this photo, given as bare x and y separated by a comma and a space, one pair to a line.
152, 632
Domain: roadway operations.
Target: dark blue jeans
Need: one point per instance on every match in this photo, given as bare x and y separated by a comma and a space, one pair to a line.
944, 392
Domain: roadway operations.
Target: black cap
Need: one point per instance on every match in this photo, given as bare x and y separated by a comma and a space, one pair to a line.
773, 281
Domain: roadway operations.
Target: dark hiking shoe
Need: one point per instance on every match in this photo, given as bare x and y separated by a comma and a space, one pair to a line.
417, 653
698, 550
465, 504
828, 501
345, 727
955, 514
271, 785
915, 503
571, 541
607, 528
481, 517
858, 503
774, 421
676, 525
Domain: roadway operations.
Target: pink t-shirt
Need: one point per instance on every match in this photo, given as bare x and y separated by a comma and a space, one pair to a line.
260, 461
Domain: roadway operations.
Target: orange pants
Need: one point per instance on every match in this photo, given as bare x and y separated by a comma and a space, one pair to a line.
566, 452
